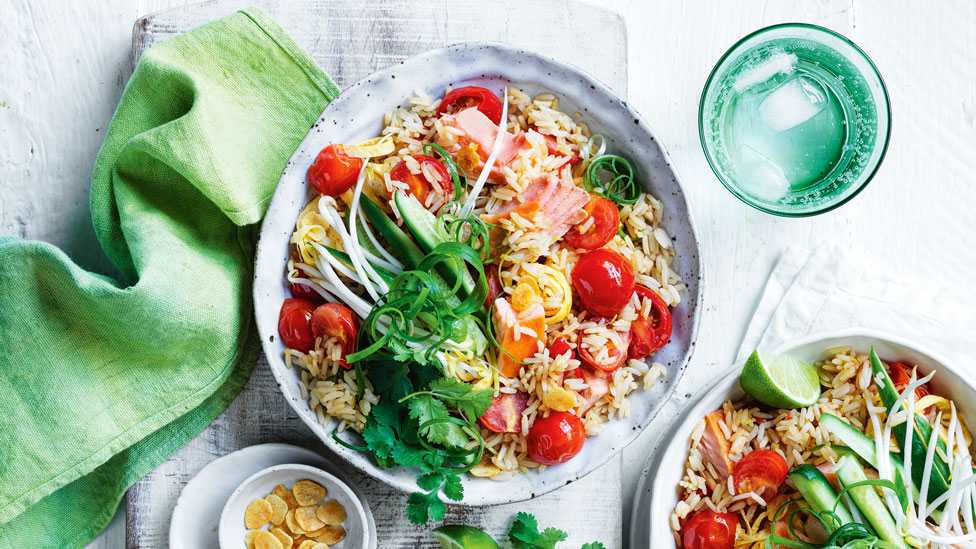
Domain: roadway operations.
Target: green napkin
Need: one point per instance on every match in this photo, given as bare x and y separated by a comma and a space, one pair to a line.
101, 380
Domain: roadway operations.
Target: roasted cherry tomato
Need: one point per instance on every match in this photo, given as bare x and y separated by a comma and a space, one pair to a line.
304, 292
505, 413
615, 355
707, 529
552, 147
762, 472
555, 439
472, 96
495, 288
650, 334
294, 327
559, 347
604, 281
418, 185
901, 376
605, 222
338, 321
334, 172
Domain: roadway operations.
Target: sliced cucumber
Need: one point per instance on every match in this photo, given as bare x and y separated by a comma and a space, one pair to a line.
401, 244
429, 232
849, 472
939, 478
818, 492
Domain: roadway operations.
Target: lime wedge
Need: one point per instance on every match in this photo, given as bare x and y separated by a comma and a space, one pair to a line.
780, 381
459, 536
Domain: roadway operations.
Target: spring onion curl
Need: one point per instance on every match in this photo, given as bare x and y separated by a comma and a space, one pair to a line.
471, 230
852, 535
621, 189
418, 315
458, 178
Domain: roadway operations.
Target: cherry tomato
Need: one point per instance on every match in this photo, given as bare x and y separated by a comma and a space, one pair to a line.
650, 334
418, 185
606, 221
555, 439
294, 327
604, 281
472, 96
552, 147
338, 321
505, 413
615, 355
762, 472
495, 288
559, 347
304, 292
901, 376
333, 172
707, 529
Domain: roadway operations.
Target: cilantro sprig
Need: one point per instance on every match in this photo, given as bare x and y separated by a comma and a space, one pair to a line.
524, 534
425, 420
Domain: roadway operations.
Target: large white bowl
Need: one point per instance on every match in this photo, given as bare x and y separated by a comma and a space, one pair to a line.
658, 492
357, 115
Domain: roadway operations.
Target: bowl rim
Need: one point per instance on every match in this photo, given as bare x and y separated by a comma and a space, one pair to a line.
675, 434
723, 179
695, 264
311, 471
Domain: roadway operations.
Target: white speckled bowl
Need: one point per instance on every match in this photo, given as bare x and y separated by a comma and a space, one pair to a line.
657, 493
357, 115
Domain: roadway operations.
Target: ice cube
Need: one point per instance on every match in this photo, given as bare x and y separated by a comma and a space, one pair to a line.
792, 104
764, 70
760, 176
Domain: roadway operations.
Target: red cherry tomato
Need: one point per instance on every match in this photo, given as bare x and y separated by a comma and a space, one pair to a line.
604, 281
709, 530
338, 321
334, 172
559, 347
505, 413
472, 96
418, 185
615, 355
552, 147
606, 221
294, 326
762, 472
555, 439
901, 376
304, 292
650, 334
495, 288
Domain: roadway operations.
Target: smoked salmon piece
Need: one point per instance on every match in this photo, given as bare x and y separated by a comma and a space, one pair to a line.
559, 203
480, 131
714, 447
519, 334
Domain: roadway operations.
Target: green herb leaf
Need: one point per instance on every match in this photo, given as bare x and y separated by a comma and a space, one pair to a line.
426, 408
524, 531
379, 438
462, 396
593, 545
418, 505
453, 488
430, 481
390, 378
550, 537
408, 456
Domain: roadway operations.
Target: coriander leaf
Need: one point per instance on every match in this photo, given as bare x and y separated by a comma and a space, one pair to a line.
462, 396
549, 538
423, 374
453, 488
430, 481
524, 531
386, 412
436, 507
379, 438
593, 545
418, 504
426, 408
450, 387
406, 455
390, 379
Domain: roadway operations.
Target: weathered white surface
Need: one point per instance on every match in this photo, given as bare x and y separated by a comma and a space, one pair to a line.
63, 68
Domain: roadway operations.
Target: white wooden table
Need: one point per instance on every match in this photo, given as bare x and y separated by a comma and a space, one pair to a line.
64, 67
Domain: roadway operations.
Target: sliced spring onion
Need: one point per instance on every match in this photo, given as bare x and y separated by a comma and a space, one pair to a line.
490, 162
452, 168
622, 188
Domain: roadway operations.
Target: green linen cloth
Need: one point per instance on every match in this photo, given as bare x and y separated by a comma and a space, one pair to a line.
101, 380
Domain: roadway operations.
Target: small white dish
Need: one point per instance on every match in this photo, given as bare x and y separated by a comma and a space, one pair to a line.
657, 492
196, 515
232, 531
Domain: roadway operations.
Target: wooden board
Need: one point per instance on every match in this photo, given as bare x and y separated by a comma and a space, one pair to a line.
350, 39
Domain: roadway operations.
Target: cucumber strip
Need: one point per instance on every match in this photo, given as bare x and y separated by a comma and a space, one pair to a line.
429, 232
897, 465
403, 246
387, 276
818, 493
868, 501
939, 477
